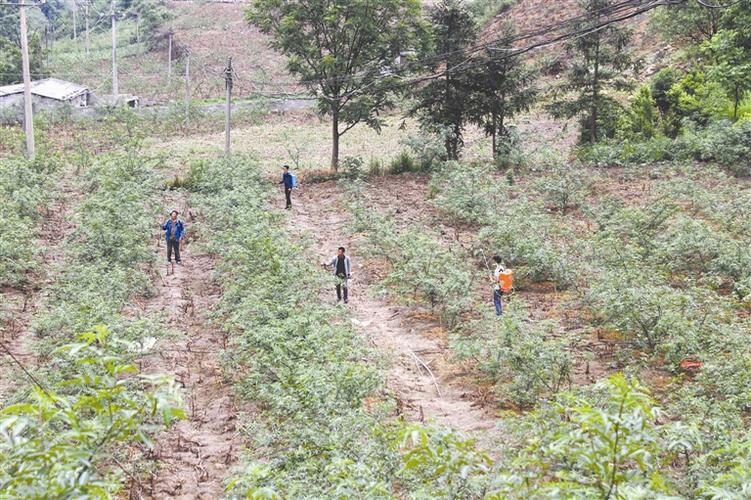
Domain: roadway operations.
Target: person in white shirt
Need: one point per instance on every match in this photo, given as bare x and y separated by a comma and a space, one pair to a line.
497, 292
341, 266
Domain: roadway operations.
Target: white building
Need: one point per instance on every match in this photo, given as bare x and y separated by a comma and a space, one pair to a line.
47, 94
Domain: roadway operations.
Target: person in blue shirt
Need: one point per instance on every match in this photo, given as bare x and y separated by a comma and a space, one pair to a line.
174, 231
287, 181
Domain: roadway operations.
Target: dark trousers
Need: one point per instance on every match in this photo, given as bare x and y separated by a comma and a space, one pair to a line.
340, 286
170, 245
288, 194
498, 301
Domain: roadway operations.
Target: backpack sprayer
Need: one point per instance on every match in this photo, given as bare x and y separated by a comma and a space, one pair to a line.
505, 278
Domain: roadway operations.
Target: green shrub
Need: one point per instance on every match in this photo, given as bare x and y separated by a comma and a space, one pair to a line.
428, 148
517, 355
601, 446
60, 442
26, 191
647, 314
467, 193
538, 246
563, 187
351, 167
403, 163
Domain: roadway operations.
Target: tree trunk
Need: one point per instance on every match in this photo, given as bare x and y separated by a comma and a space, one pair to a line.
595, 94
335, 139
736, 102
495, 130
88, 40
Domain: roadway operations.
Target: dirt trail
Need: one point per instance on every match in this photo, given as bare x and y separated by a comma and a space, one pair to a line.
15, 332
436, 395
194, 456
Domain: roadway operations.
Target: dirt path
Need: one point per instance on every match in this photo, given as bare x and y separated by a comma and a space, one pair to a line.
194, 456
19, 305
414, 343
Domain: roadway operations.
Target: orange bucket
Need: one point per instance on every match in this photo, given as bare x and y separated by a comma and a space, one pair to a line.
506, 280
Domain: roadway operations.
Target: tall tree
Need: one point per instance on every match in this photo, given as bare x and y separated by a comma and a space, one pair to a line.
599, 61
687, 22
444, 101
730, 65
342, 50
501, 86
10, 50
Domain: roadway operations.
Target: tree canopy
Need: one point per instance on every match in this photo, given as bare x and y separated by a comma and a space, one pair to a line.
344, 52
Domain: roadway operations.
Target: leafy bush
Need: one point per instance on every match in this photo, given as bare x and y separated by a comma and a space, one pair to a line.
62, 441
537, 246
595, 447
421, 269
441, 464
26, 190
517, 355
429, 146
563, 187
403, 163
645, 313
467, 193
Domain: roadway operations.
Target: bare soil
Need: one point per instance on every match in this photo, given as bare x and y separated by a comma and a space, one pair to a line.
193, 457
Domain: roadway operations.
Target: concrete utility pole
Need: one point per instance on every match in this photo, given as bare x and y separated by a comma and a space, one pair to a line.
28, 118
75, 21
228, 108
187, 89
115, 89
169, 60
86, 13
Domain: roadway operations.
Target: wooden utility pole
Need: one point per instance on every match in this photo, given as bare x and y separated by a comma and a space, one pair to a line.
28, 118
115, 89
86, 14
187, 89
169, 59
228, 108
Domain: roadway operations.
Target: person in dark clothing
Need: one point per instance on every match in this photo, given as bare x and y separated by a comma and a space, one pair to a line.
174, 231
287, 181
342, 267
497, 292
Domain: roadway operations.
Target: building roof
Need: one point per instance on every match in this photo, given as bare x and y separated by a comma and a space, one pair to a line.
11, 89
51, 88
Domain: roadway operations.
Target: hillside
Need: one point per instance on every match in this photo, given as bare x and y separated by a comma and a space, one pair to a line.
530, 15
210, 32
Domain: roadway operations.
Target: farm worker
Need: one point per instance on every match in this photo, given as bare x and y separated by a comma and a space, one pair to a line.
174, 230
287, 181
341, 266
497, 292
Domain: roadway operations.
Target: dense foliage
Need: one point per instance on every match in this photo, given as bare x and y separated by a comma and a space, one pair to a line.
600, 61
26, 190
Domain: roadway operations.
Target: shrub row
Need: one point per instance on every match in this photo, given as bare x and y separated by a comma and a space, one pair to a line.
60, 437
